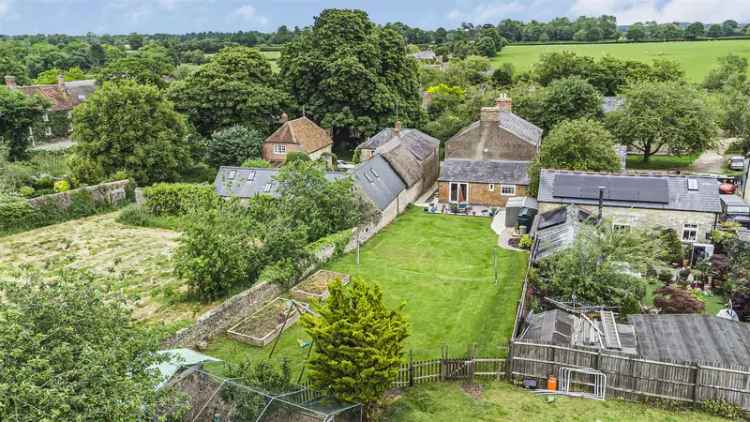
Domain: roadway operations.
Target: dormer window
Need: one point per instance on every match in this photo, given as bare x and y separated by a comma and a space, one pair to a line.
267, 188
251, 176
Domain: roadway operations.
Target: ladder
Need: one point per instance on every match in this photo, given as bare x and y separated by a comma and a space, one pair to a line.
609, 327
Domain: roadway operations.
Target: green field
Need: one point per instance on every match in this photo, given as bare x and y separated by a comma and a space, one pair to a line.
440, 267
502, 402
695, 57
662, 162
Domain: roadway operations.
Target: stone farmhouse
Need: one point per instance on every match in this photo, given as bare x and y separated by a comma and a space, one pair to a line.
487, 162
64, 96
691, 205
298, 135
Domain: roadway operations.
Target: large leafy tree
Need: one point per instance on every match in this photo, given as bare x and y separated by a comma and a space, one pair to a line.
730, 69
71, 352
142, 68
351, 75
235, 87
582, 144
358, 343
17, 113
233, 145
564, 99
131, 127
663, 114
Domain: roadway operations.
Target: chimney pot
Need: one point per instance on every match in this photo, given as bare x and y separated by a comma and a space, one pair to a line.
504, 102
397, 127
10, 82
61, 82
284, 118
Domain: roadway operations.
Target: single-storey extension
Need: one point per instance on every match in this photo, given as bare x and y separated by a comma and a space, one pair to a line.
482, 182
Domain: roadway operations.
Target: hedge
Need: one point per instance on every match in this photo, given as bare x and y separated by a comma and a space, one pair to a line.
179, 198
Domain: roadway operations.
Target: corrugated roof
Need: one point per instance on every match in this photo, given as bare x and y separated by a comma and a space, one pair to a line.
303, 132
485, 171
705, 198
379, 181
692, 338
243, 182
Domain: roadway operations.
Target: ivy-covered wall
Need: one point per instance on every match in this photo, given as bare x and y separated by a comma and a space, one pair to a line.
58, 124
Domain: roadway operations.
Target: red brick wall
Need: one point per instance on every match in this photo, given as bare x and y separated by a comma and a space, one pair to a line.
268, 154
480, 194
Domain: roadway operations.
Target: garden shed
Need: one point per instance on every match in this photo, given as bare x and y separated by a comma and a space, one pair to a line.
520, 211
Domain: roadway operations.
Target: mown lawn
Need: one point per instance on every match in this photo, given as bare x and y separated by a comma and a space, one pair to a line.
696, 58
440, 268
503, 402
662, 162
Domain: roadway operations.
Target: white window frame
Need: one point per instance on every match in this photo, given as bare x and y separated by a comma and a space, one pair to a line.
491, 187
450, 192
621, 226
267, 188
47, 131
511, 187
690, 228
279, 149
31, 131
45, 117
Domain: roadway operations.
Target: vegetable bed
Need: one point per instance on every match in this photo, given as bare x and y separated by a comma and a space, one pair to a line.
264, 326
316, 286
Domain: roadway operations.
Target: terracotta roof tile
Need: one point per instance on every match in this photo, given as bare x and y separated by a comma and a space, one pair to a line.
75, 93
302, 131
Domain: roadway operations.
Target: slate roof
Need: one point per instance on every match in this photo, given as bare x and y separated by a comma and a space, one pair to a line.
425, 55
378, 180
75, 93
674, 194
301, 131
520, 127
485, 171
419, 143
692, 338
243, 182
610, 104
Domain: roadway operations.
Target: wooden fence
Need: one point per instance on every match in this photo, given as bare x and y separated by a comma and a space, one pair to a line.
447, 369
633, 378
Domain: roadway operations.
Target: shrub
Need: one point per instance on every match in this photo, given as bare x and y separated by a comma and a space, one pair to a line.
723, 409
284, 272
233, 145
256, 163
296, 156
15, 213
26, 191
525, 242
61, 186
179, 198
677, 300
133, 215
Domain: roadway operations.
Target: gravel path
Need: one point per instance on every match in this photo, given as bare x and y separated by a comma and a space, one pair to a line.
712, 161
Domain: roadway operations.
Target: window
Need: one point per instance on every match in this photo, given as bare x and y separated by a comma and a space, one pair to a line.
692, 184
231, 174
507, 190
279, 149
267, 188
31, 131
621, 226
251, 176
369, 179
689, 232
45, 117
459, 192
491, 187
48, 131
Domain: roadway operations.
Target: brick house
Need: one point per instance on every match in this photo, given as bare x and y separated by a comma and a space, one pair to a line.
690, 205
487, 162
298, 135
64, 96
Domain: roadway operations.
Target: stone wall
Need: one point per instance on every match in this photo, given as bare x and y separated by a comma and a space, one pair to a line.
480, 194
650, 218
112, 193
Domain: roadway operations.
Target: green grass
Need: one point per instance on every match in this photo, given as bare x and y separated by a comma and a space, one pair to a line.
696, 58
662, 162
501, 402
440, 268
714, 303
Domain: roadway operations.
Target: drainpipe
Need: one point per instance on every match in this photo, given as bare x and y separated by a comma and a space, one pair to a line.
601, 201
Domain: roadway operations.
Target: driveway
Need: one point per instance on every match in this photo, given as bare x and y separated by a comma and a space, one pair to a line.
712, 161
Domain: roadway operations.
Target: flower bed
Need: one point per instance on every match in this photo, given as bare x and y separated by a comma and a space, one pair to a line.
316, 286
264, 326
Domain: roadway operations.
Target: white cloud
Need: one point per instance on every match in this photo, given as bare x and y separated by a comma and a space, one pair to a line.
250, 14
480, 12
630, 11
4, 8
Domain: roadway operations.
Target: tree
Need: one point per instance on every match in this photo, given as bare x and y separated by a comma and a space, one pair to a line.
672, 251
694, 30
141, 68
236, 87
486, 47
554, 66
135, 41
503, 75
663, 114
714, 31
233, 145
131, 127
18, 113
72, 352
636, 32
729, 27
582, 144
564, 99
10, 66
351, 75
358, 343
731, 68
677, 300
50, 76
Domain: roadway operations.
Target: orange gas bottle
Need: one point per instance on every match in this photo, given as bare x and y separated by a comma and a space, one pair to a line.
552, 383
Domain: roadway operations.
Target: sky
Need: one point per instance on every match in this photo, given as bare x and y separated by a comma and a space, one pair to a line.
180, 16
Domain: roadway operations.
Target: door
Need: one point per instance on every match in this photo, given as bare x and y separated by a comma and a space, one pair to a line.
459, 192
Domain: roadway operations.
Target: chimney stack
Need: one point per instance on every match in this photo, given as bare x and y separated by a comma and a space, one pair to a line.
397, 127
10, 82
504, 102
284, 118
61, 82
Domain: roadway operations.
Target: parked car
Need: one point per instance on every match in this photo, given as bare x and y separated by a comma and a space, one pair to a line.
344, 165
735, 209
737, 162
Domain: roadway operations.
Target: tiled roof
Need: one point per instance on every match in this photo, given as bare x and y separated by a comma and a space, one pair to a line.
418, 142
243, 182
674, 189
520, 127
485, 171
302, 131
75, 93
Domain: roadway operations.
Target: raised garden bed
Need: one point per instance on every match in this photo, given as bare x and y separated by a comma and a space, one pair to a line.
316, 286
264, 326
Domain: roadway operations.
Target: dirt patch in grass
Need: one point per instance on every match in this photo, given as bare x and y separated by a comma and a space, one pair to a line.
263, 326
316, 286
